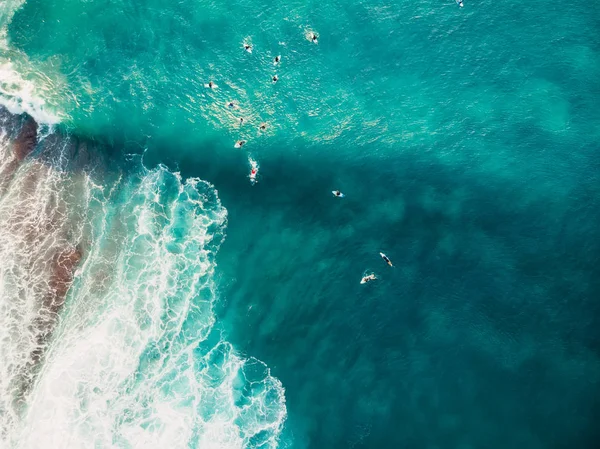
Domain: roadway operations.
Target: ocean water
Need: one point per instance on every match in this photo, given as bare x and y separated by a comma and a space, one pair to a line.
152, 296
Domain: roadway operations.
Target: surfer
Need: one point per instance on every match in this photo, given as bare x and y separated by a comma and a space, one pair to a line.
253, 170
232, 105
248, 47
314, 38
460, 3
275, 78
241, 121
369, 277
239, 144
211, 85
263, 127
338, 194
276, 60
386, 258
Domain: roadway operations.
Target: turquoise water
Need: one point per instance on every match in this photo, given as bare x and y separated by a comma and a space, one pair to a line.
466, 142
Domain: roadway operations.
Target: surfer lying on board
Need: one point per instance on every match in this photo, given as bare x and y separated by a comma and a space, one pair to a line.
367, 278
253, 170
386, 258
338, 194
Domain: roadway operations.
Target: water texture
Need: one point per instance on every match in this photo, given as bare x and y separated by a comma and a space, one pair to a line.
465, 141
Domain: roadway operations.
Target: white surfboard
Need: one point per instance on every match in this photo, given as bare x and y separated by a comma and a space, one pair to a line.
309, 35
213, 86
341, 195
368, 278
386, 259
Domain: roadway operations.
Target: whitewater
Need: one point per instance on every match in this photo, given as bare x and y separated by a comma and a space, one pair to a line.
107, 329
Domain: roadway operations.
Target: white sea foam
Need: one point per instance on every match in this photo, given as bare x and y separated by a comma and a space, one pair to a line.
39, 223
23, 88
132, 360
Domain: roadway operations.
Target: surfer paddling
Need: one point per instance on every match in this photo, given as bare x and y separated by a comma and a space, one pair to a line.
253, 170
337, 194
386, 259
368, 278
277, 60
239, 144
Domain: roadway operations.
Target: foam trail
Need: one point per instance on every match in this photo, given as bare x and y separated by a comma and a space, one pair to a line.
132, 359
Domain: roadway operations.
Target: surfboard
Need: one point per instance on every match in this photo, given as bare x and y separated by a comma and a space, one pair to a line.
366, 278
309, 35
386, 259
341, 195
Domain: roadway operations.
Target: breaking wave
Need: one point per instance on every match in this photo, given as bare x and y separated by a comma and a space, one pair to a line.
107, 328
